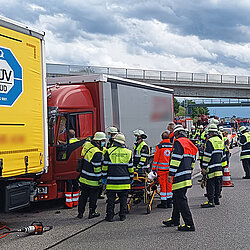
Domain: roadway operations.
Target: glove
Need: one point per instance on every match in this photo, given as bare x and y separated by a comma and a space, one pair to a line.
104, 181
155, 172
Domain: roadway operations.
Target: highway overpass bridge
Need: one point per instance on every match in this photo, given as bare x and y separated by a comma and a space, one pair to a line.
184, 84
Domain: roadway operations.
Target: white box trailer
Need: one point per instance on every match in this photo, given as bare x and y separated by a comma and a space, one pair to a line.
127, 104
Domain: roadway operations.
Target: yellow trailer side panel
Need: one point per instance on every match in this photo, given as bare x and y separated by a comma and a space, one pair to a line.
21, 125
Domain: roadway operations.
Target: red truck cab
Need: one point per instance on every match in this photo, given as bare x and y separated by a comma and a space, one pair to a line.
72, 106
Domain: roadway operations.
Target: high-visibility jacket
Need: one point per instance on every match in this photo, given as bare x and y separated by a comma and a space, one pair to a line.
162, 155
192, 135
118, 168
182, 163
104, 150
214, 158
226, 143
92, 164
197, 134
72, 140
110, 143
245, 146
203, 137
141, 155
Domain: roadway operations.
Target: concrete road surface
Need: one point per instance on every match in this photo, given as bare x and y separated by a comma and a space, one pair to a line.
223, 227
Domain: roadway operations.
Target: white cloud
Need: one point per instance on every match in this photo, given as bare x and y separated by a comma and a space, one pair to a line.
35, 7
139, 34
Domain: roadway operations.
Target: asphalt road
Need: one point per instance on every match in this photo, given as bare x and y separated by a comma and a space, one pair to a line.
223, 227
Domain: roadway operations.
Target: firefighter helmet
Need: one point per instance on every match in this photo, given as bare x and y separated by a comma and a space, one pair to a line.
120, 138
99, 136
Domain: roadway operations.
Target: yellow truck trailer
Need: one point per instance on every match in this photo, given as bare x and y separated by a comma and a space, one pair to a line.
23, 111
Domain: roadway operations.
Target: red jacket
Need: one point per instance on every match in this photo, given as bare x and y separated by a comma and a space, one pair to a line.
162, 155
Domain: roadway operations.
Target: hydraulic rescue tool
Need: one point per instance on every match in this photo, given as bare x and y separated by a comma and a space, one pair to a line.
36, 228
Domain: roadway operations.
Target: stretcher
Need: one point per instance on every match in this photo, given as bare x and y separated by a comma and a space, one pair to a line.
142, 190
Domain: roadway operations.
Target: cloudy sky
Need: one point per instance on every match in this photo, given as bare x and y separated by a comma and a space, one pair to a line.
211, 36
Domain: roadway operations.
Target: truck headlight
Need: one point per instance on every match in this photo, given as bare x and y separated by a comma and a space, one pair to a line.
42, 190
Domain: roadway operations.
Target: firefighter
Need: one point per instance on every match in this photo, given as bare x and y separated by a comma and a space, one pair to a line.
90, 176
226, 146
221, 130
192, 133
112, 131
245, 150
213, 161
72, 187
118, 175
141, 151
181, 166
161, 167
171, 127
198, 132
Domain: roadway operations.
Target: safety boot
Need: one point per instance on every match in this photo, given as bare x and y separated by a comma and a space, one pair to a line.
93, 214
109, 219
170, 223
122, 217
80, 215
163, 204
207, 204
169, 202
185, 227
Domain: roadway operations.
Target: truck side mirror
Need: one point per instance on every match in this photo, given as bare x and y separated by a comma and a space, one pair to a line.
51, 138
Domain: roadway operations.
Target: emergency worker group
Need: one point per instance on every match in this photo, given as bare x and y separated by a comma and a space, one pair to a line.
107, 167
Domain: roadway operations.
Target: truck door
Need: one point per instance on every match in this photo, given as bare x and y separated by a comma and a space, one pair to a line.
72, 130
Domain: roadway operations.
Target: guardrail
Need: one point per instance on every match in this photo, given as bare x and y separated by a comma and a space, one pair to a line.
222, 101
63, 69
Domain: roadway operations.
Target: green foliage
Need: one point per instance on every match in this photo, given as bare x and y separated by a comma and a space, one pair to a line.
181, 111
176, 106
195, 111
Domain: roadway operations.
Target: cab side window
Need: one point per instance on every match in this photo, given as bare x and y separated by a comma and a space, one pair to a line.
72, 128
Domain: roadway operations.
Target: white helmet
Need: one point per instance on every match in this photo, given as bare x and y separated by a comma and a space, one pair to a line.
99, 136
212, 128
138, 132
192, 127
120, 138
112, 130
201, 126
178, 128
141, 133
214, 121
221, 128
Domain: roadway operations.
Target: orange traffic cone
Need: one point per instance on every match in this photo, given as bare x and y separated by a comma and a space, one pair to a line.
226, 179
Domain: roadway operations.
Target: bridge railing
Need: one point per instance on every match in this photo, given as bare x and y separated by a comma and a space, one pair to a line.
222, 101
63, 69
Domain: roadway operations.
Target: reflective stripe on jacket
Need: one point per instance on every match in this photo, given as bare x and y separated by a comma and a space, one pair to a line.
92, 164
162, 155
141, 155
182, 163
118, 168
245, 146
214, 157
